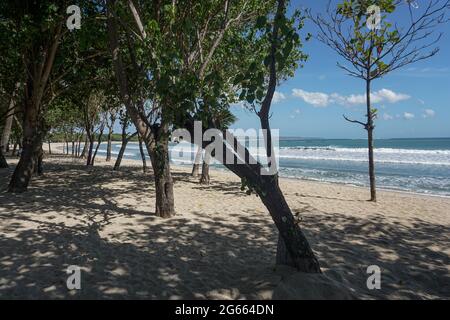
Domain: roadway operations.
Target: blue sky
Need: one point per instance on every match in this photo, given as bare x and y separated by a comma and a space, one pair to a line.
412, 102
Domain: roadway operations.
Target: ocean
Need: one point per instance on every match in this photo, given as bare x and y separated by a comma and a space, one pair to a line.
413, 165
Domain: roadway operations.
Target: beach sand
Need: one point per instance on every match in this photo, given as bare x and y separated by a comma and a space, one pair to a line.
220, 245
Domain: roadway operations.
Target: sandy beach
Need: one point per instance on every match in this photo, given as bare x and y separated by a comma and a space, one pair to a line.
220, 245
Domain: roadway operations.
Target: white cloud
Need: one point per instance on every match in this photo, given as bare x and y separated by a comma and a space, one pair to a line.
317, 99
383, 95
387, 117
278, 97
389, 96
297, 111
408, 116
320, 99
429, 113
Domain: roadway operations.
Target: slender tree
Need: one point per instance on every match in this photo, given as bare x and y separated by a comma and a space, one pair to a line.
124, 120
110, 125
142, 152
101, 129
363, 33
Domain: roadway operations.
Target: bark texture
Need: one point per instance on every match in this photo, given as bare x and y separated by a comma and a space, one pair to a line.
165, 203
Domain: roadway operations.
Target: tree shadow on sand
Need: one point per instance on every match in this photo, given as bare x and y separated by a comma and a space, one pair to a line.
413, 260
205, 257
150, 258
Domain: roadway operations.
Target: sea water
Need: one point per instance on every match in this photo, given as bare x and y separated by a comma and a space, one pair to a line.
415, 165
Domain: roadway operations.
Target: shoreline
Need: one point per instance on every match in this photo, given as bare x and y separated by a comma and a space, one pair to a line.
59, 145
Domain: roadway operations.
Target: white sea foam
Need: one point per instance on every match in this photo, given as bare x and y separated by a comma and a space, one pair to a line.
415, 170
382, 155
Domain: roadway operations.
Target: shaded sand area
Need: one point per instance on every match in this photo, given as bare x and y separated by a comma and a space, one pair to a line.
221, 244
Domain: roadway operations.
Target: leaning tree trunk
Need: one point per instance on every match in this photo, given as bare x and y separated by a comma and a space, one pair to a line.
293, 247
141, 150
197, 161
85, 148
204, 179
99, 142
120, 155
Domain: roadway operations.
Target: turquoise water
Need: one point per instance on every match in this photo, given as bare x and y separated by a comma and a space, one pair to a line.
416, 165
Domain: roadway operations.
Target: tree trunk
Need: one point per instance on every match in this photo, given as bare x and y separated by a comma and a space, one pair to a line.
370, 127
205, 169
31, 146
28, 159
3, 163
283, 257
99, 142
141, 150
373, 191
196, 166
120, 155
294, 249
85, 148
39, 168
79, 145
6, 132
89, 154
165, 207
109, 147
49, 147
9, 120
